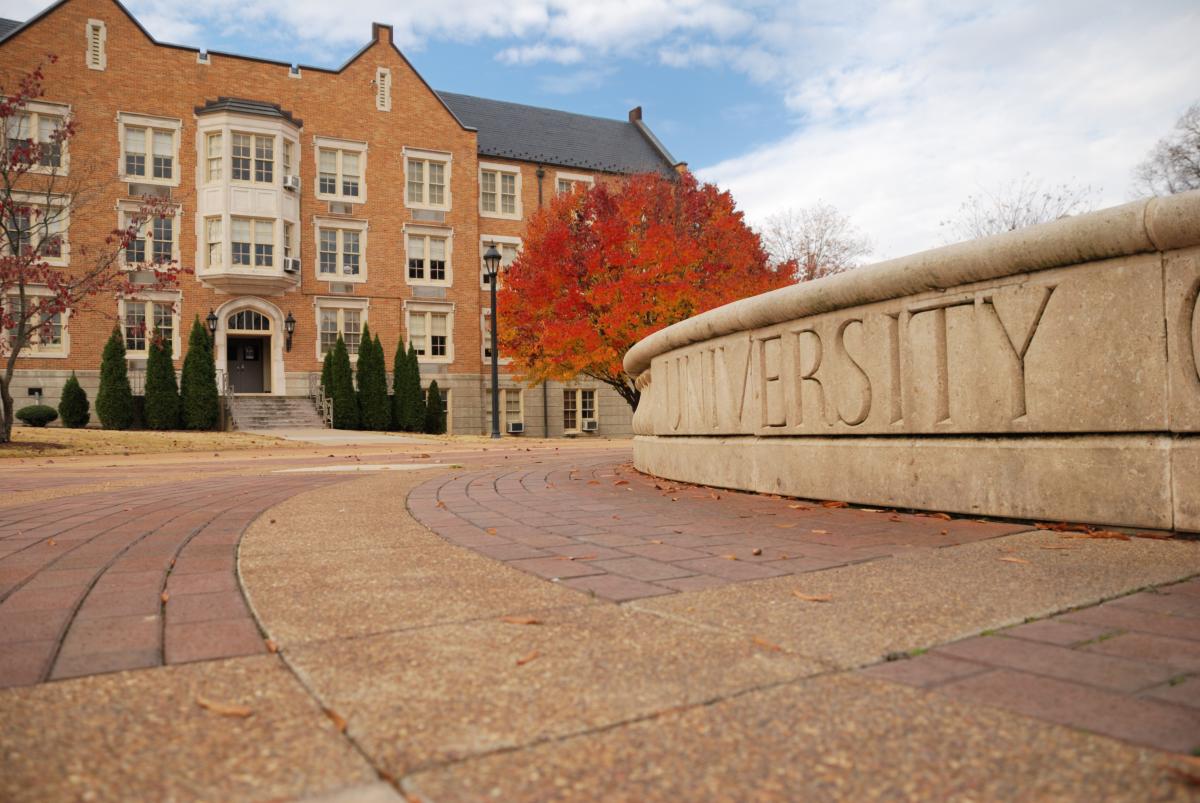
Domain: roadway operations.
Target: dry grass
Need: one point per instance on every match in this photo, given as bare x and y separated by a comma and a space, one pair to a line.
58, 441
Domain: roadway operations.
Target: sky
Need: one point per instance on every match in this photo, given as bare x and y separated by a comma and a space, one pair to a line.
894, 112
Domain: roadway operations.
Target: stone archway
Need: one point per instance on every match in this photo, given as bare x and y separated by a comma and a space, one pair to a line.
242, 310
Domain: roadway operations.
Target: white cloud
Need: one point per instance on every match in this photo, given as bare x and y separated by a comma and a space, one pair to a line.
532, 54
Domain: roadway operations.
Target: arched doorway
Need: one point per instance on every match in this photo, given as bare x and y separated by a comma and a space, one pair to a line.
249, 345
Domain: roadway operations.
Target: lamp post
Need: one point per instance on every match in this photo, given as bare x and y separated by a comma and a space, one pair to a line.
289, 326
491, 263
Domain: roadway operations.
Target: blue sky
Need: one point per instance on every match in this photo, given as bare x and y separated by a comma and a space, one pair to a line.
892, 111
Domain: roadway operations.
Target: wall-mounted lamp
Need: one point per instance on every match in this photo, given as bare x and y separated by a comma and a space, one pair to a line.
211, 320
289, 326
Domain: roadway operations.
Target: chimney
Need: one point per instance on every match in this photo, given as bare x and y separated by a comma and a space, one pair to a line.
381, 33
635, 114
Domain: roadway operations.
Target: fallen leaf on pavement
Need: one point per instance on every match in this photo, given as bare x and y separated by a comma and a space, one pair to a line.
800, 507
1063, 527
942, 516
520, 620
593, 482
756, 551
440, 504
835, 504
527, 658
51, 542
165, 597
820, 532
785, 526
1014, 560
490, 531
338, 720
767, 645
811, 597
225, 710
730, 557
621, 482
1155, 536
272, 647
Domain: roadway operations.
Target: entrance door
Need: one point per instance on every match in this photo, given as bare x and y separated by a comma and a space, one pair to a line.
247, 363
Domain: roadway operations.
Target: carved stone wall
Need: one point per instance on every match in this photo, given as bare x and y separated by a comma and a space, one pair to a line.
1047, 373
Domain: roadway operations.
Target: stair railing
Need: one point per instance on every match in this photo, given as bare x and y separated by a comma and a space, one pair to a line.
322, 402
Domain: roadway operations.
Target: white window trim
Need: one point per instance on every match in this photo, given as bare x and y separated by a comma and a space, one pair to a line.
35, 108
330, 143
87, 57
351, 224
484, 241
128, 207
63, 202
445, 233
136, 120
580, 177
496, 167
421, 307
504, 419
578, 392
383, 89
446, 158
485, 330
253, 130
36, 350
363, 305
175, 299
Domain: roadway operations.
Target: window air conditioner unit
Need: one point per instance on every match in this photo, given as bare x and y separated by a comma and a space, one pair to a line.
291, 265
516, 427
590, 425
291, 183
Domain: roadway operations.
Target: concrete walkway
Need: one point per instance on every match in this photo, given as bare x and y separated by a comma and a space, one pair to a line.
395, 659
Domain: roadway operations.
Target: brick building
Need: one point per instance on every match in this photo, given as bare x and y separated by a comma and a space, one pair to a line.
338, 197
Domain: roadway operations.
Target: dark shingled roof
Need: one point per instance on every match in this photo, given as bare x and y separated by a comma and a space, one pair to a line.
533, 134
243, 106
8, 26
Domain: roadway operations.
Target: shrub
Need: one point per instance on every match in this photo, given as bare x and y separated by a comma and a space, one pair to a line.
162, 392
327, 374
73, 406
435, 413
345, 402
372, 384
199, 401
408, 402
114, 401
37, 415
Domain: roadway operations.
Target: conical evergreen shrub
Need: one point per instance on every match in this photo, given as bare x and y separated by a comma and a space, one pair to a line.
413, 405
162, 391
114, 400
73, 406
345, 401
435, 414
327, 374
372, 387
399, 372
199, 400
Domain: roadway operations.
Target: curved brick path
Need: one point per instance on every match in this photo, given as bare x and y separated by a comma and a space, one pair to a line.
597, 525
129, 579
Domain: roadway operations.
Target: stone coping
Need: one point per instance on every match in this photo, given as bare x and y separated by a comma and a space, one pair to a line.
1154, 224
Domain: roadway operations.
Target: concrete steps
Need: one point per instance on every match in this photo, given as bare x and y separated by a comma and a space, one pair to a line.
275, 412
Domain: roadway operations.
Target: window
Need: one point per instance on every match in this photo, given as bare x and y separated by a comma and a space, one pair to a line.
569, 182
36, 125
383, 89
428, 256
289, 235
38, 228
485, 323
511, 407
341, 246
149, 149
214, 156
344, 321
97, 34
288, 149
499, 191
154, 242
578, 405
427, 177
46, 333
212, 237
253, 158
508, 248
264, 160
429, 327
241, 157
252, 242
143, 319
340, 168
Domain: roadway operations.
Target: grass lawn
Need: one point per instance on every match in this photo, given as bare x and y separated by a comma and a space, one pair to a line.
59, 441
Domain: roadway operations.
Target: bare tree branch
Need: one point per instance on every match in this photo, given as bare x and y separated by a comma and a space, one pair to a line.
819, 239
1173, 165
1021, 203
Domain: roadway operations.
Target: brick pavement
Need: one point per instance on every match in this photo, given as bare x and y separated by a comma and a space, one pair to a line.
1128, 668
129, 579
597, 525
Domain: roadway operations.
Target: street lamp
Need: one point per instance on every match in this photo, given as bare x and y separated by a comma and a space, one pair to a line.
491, 264
289, 326
211, 320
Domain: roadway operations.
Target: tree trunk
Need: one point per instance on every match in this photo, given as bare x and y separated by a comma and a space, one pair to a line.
626, 390
6, 410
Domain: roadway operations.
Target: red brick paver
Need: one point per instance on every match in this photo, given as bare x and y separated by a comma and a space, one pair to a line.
129, 579
595, 524
1107, 669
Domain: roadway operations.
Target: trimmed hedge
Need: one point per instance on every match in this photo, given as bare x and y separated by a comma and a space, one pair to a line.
162, 391
408, 402
372, 384
37, 415
114, 401
199, 400
345, 401
73, 407
435, 414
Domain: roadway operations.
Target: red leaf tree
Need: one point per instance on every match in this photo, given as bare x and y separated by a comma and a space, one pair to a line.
603, 268
41, 276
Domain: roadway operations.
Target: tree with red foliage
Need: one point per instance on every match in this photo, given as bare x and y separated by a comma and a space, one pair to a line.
602, 268
40, 276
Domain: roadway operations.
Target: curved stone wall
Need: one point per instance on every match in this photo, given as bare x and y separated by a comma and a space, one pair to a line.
1051, 373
